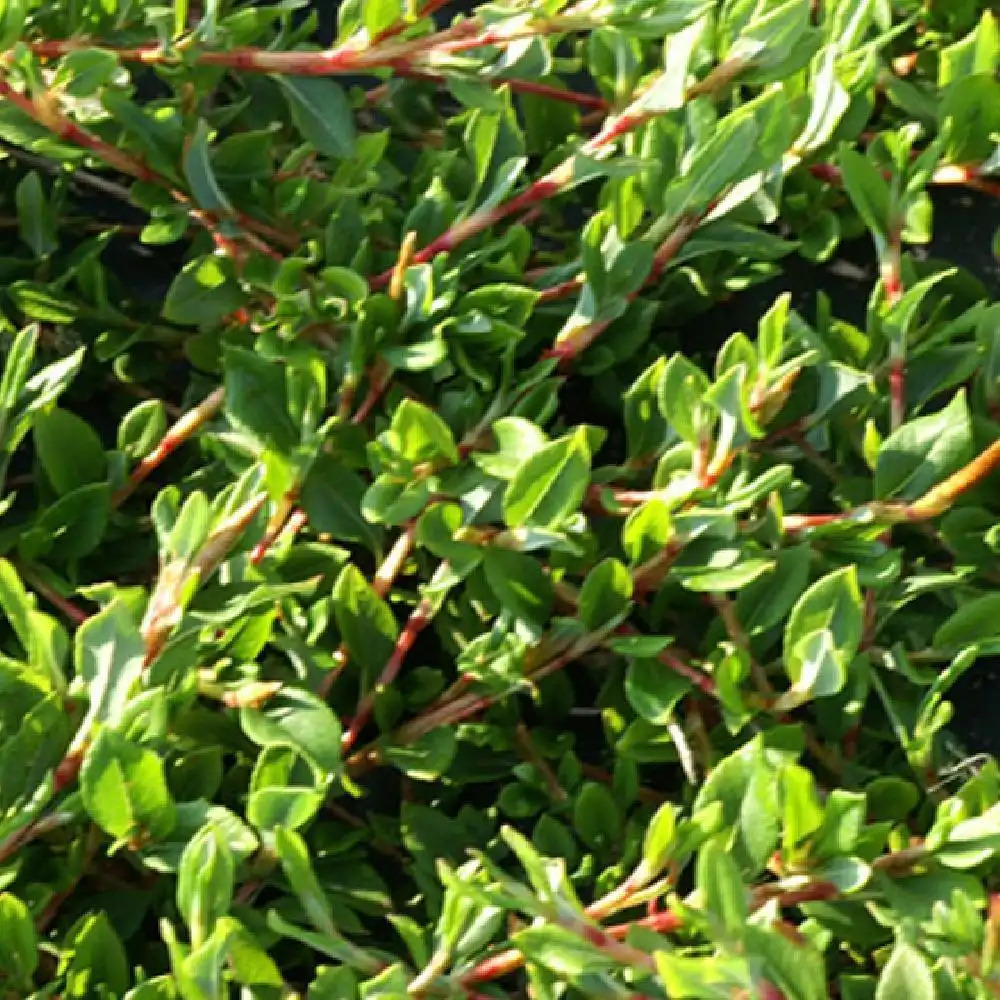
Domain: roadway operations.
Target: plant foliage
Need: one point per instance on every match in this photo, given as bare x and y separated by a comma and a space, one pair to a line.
403, 595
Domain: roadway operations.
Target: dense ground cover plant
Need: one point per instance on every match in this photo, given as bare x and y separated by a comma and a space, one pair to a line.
402, 597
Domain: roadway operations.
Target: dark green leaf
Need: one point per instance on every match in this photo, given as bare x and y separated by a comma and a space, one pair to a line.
321, 112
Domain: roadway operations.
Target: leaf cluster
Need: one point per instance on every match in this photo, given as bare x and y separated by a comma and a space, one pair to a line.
403, 595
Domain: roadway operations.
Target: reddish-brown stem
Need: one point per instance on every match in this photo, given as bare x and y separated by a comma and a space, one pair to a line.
415, 624
530, 752
671, 660
449, 712
44, 109
46, 824
275, 525
815, 892
382, 583
560, 177
937, 500
897, 392
182, 431
69, 610
349, 58
589, 101
506, 962
478, 222
378, 381
947, 175
561, 291
932, 504
575, 340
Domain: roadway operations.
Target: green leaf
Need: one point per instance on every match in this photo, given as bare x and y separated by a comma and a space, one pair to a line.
257, 400
523, 588
682, 390
13, 15
830, 102
97, 962
729, 579
289, 807
718, 162
978, 52
83, 72
203, 293
18, 941
560, 950
596, 817
419, 435
977, 620
647, 531
924, 451
331, 497
367, 625
321, 112
36, 221
549, 486
721, 889
605, 596
906, 976
867, 189
69, 449
244, 156
142, 428
660, 837
72, 527
832, 603
969, 113
108, 654
426, 759
516, 440
198, 169
796, 968
297, 719
42, 303
205, 883
654, 690
294, 857
814, 668
766, 601
379, 14
125, 790
645, 426
715, 977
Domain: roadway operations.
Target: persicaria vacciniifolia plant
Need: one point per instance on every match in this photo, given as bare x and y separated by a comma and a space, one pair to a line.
404, 596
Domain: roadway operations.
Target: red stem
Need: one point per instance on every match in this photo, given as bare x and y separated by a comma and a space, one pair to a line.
670, 659
382, 583
589, 101
70, 610
897, 392
44, 109
181, 431
379, 380
509, 961
415, 624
